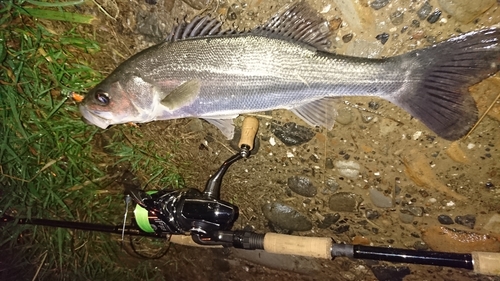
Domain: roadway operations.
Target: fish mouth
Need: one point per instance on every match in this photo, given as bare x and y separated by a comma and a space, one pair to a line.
94, 119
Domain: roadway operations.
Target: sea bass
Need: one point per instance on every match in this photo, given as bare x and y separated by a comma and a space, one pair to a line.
203, 71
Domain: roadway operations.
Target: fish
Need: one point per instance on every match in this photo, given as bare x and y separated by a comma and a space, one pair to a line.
204, 71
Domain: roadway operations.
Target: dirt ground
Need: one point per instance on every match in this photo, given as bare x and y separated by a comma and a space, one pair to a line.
422, 175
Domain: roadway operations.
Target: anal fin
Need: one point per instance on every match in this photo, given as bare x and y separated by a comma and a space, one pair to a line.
224, 123
321, 112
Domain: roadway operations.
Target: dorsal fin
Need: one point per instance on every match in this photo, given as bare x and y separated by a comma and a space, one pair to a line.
296, 22
299, 23
200, 26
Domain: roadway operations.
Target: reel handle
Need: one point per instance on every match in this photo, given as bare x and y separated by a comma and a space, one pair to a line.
248, 131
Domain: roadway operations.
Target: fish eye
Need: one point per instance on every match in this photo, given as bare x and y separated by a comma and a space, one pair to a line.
102, 97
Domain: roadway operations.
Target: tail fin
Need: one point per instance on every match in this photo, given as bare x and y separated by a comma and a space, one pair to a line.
443, 73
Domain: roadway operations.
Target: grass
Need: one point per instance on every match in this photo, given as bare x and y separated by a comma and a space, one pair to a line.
47, 165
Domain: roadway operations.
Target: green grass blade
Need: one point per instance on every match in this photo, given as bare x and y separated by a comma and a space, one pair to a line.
58, 15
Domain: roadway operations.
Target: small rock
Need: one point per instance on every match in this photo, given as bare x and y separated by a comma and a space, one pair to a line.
302, 185
329, 220
379, 199
467, 220
367, 118
344, 116
314, 158
379, 4
358, 16
197, 4
489, 185
329, 163
466, 10
344, 202
493, 224
286, 217
412, 210
331, 185
420, 246
292, 134
434, 16
383, 37
234, 11
389, 272
444, 219
373, 105
415, 23
424, 11
406, 218
347, 38
341, 229
348, 169
372, 214
195, 125
397, 17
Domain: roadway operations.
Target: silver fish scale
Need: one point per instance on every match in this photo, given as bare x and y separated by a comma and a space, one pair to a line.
241, 74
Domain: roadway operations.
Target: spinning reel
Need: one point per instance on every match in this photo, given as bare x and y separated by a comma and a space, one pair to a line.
203, 215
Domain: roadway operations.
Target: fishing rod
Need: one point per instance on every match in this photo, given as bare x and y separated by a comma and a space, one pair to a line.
200, 218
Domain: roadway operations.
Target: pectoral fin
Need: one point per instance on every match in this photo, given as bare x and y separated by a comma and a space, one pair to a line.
318, 113
183, 95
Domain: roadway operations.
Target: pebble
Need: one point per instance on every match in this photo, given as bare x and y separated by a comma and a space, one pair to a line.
379, 199
397, 17
331, 185
344, 202
493, 224
292, 134
195, 125
344, 116
197, 4
373, 105
412, 210
341, 229
329, 163
329, 220
406, 218
424, 11
383, 38
420, 246
347, 38
379, 4
286, 217
434, 16
444, 219
467, 220
390, 272
234, 11
366, 118
302, 185
466, 10
348, 169
372, 214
